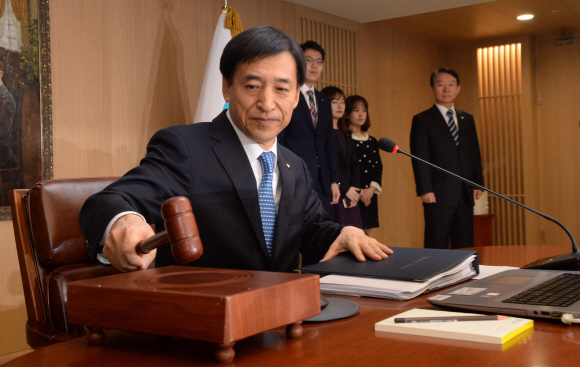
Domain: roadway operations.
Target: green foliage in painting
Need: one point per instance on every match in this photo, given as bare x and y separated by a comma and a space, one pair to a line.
29, 54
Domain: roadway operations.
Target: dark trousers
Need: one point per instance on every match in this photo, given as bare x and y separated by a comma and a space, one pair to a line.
444, 225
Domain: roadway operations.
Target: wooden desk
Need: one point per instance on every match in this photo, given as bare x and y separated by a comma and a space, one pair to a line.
349, 342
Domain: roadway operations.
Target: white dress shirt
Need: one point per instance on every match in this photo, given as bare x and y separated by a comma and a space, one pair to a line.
304, 88
444, 110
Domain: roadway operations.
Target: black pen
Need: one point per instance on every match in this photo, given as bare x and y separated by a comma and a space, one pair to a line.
408, 320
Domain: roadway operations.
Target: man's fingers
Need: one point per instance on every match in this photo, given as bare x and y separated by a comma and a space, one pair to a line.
147, 259
376, 250
120, 247
329, 255
117, 261
359, 244
357, 252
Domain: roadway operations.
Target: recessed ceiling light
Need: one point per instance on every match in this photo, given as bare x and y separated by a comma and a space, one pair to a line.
525, 17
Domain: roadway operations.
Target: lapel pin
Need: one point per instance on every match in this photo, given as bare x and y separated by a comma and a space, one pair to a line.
462, 117
287, 165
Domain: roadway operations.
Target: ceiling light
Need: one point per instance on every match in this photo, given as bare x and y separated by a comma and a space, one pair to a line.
525, 17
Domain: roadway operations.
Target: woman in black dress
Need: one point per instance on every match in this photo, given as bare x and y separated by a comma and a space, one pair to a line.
346, 211
356, 118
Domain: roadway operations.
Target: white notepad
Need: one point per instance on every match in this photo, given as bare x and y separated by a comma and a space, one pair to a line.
493, 331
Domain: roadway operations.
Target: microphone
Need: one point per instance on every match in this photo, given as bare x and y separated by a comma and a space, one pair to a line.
560, 262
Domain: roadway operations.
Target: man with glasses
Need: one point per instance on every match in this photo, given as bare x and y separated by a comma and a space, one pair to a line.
309, 134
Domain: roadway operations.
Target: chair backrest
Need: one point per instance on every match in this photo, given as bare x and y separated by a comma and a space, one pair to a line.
51, 252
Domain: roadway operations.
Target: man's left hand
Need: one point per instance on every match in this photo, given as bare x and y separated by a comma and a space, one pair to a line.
477, 194
356, 241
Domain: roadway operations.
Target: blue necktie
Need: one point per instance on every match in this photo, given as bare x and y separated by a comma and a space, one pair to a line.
452, 127
266, 199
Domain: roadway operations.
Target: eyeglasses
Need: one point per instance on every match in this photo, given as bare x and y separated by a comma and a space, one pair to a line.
317, 61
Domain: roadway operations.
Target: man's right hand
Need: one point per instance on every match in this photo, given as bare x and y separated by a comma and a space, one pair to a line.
120, 247
428, 198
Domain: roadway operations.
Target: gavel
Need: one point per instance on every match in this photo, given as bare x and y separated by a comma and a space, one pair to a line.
180, 231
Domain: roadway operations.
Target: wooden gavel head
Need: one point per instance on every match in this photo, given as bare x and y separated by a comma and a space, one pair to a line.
181, 228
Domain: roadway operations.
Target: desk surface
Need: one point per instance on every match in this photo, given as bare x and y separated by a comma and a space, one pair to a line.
349, 342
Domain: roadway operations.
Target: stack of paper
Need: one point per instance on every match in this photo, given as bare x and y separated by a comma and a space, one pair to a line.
395, 289
494, 332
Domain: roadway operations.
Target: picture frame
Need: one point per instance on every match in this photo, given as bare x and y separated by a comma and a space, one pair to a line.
31, 140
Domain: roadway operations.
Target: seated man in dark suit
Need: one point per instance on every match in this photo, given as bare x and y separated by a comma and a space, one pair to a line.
252, 198
310, 134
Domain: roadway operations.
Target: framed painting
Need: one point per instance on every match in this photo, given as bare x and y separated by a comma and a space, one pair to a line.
25, 97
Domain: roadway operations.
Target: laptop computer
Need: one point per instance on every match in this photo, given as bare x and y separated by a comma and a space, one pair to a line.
520, 292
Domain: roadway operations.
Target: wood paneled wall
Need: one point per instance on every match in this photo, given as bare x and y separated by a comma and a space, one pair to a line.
340, 53
12, 308
558, 78
464, 56
500, 101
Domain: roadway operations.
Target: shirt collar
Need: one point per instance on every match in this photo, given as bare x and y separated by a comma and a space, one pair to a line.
360, 138
304, 88
253, 150
444, 110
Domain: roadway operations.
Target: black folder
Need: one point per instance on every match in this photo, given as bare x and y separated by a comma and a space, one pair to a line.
406, 263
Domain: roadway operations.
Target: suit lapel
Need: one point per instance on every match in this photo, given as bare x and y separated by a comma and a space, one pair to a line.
287, 179
460, 122
320, 98
232, 156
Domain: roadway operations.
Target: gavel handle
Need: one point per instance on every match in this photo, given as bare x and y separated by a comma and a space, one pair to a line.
148, 244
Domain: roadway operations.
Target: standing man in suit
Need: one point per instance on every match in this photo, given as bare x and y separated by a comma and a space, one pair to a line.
310, 134
252, 198
446, 137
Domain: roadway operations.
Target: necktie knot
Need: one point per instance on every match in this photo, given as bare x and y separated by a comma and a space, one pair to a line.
267, 162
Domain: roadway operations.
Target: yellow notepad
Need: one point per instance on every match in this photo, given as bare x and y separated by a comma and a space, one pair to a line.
493, 331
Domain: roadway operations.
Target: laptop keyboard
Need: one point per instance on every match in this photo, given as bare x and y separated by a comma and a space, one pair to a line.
561, 291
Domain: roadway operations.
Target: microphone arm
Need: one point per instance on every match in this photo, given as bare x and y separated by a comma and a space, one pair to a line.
390, 147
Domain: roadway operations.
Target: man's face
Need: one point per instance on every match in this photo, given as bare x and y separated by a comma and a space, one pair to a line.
262, 96
314, 65
445, 89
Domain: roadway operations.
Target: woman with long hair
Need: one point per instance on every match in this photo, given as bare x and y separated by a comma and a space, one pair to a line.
346, 211
356, 119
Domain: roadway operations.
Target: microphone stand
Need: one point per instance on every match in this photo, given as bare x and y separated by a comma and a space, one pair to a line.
566, 261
